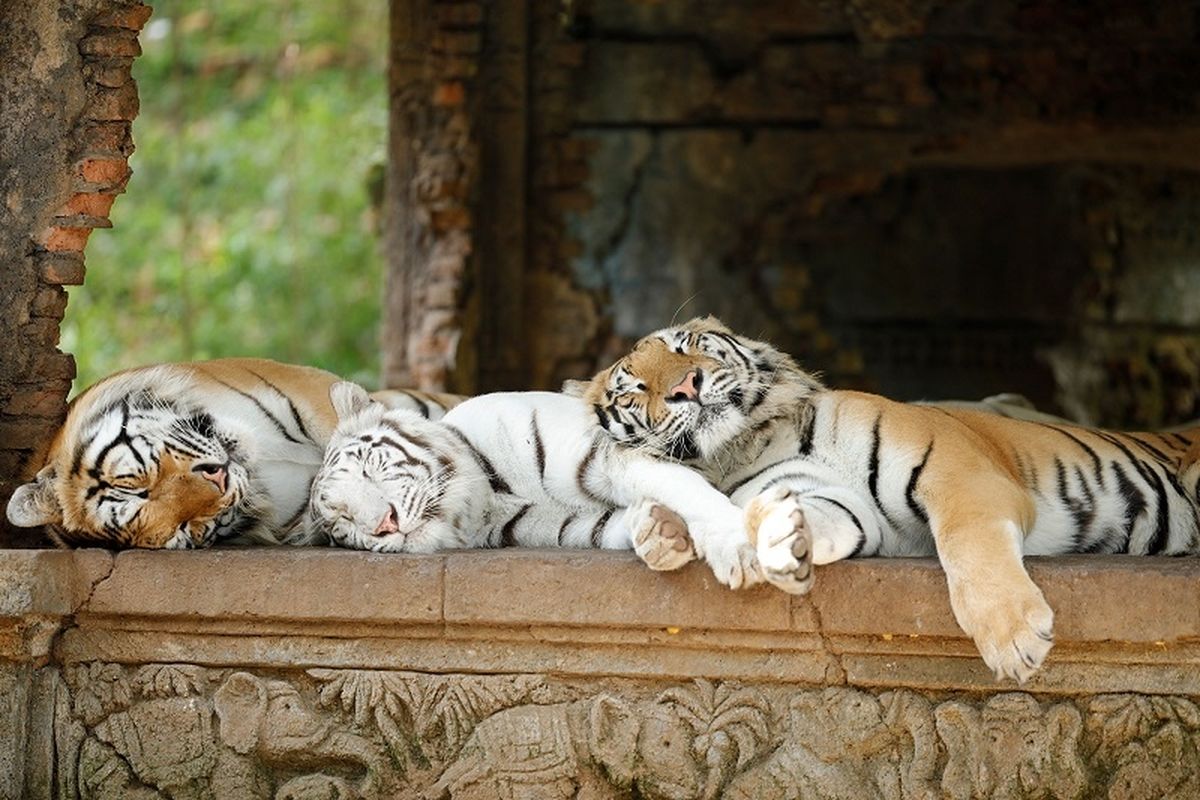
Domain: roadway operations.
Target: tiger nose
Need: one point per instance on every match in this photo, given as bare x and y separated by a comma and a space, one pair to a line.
688, 388
388, 524
214, 473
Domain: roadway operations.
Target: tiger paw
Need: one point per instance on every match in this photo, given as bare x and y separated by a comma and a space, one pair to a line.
782, 540
660, 536
1013, 628
734, 562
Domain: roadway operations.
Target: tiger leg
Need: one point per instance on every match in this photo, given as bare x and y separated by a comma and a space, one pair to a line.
776, 527
978, 530
660, 536
713, 521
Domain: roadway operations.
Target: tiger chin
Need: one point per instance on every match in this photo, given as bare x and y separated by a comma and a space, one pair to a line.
179, 456
516, 468
839, 474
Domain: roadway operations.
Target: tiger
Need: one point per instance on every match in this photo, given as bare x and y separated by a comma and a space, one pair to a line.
825, 474
514, 468
184, 455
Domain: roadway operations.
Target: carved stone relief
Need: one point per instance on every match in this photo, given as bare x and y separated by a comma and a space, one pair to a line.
190, 733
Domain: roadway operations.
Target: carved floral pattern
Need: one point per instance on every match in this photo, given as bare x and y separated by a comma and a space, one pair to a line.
188, 732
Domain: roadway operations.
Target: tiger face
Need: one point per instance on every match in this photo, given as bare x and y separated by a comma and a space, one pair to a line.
386, 479
690, 391
138, 469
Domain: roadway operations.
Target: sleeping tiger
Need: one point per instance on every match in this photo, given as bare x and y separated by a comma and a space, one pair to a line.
838, 474
178, 456
518, 468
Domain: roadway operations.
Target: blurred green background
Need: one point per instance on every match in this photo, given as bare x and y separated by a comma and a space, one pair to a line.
250, 224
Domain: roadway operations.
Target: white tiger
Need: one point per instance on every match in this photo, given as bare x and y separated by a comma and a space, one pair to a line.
521, 468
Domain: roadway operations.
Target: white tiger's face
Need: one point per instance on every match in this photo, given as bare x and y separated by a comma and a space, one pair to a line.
140, 470
385, 484
688, 391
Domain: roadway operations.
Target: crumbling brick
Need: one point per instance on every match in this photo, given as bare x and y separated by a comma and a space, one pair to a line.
111, 43
132, 17
61, 269
104, 173
59, 240
114, 104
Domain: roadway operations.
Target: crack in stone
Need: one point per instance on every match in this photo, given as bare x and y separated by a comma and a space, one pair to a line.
827, 648
613, 241
87, 601
67, 623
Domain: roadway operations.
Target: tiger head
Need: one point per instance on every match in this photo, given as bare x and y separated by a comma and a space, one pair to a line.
138, 464
388, 479
689, 392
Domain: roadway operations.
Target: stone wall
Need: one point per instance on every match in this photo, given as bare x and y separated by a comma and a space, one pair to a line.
559, 674
928, 199
68, 101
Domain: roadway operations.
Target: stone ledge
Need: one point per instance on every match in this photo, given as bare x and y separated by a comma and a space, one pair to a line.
1123, 624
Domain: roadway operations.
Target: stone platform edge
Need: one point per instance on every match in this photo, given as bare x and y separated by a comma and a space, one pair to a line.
1122, 624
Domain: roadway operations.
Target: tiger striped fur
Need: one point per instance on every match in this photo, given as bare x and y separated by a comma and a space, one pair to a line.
827, 475
519, 468
178, 456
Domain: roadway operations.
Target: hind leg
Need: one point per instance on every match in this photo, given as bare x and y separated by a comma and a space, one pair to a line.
660, 536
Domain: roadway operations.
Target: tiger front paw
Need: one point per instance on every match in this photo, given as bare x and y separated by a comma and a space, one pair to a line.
734, 562
782, 540
660, 536
1012, 627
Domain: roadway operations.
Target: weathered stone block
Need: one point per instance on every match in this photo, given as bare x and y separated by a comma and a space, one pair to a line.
61, 269
49, 302
132, 16
106, 139
87, 204
120, 103
109, 72
60, 240
109, 44
48, 403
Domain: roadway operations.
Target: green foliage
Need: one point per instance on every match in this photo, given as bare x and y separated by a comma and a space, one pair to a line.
248, 227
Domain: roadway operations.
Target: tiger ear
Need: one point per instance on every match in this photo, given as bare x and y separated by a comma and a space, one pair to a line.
574, 388
35, 503
711, 323
348, 399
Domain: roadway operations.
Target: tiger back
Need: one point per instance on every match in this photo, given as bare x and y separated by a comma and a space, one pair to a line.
183, 455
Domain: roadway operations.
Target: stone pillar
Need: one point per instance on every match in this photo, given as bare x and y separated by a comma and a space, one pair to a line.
68, 104
429, 233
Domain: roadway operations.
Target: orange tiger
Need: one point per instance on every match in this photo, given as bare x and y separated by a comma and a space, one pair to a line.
178, 456
825, 475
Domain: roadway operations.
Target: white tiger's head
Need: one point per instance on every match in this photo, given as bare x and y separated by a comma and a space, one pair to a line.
689, 391
391, 480
139, 462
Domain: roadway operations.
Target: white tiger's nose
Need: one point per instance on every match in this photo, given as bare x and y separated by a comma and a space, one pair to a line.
389, 523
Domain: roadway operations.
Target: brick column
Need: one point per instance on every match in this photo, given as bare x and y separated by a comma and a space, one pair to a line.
66, 142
